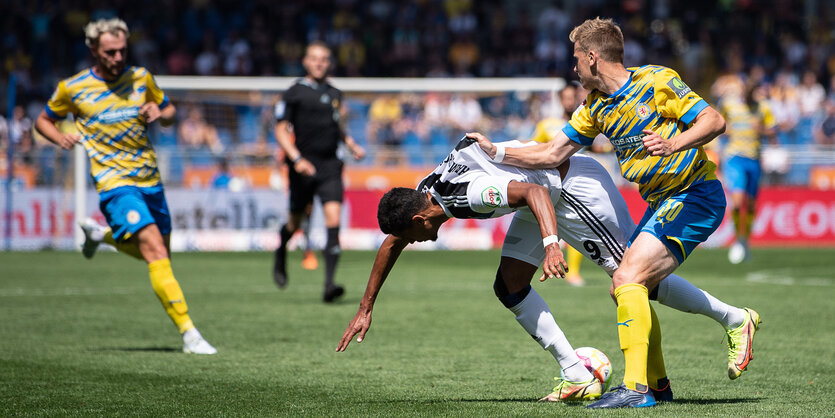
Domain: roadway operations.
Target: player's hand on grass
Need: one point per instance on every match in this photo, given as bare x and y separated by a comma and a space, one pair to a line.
304, 167
483, 143
150, 111
67, 141
554, 264
656, 145
358, 325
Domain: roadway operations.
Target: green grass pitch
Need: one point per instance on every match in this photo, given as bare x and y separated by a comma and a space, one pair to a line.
88, 338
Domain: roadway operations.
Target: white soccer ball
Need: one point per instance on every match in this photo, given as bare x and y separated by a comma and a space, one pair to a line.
598, 364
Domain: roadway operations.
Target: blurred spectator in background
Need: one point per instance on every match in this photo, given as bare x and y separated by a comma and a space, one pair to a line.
782, 46
208, 60
385, 112
785, 106
260, 152
221, 178
196, 134
465, 113
825, 131
776, 162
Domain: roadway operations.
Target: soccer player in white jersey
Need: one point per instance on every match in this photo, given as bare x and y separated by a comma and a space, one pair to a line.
113, 105
593, 218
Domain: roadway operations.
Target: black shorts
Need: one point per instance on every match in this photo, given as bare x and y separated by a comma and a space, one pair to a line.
326, 183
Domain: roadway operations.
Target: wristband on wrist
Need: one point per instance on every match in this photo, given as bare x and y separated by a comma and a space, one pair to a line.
297, 159
550, 239
500, 152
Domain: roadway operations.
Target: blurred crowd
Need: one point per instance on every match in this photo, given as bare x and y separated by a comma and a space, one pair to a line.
788, 47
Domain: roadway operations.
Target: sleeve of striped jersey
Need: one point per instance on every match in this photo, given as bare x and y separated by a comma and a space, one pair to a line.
153, 93
674, 99
487, 193
581, 128
60, 104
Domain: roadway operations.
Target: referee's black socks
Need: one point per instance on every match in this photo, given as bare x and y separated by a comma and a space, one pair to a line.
331, 255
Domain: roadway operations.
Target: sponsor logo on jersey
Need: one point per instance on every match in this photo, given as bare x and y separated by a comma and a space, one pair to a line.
643, 111
133, 217
629, 142
678, 87
116, 116
135, 96
325, 98
491, 197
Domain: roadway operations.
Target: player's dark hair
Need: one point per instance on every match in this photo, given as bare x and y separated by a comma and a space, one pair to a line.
396, 208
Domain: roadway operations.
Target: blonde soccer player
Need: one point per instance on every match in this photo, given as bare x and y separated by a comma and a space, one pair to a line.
657, 126
113, 104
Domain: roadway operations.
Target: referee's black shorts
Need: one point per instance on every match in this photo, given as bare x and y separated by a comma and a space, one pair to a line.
326, 183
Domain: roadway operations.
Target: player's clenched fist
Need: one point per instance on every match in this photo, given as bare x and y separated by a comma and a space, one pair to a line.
656, 145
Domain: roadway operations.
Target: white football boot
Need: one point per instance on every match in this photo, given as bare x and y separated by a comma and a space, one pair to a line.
194, 343
738, 252
93, 234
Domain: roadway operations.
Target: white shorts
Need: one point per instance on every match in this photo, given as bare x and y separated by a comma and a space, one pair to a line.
592, 217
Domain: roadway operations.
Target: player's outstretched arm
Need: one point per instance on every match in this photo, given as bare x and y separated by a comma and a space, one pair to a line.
45, 125
538, 199
548, 155
387, 255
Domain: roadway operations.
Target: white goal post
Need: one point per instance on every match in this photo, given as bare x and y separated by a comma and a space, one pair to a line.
225, 85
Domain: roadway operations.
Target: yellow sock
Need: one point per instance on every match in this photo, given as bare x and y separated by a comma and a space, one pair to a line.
169, 293
123, 247
655, 357
735, 216
574, 261
634, 324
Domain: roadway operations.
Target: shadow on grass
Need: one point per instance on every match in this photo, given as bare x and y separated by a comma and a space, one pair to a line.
143, 349
714, 401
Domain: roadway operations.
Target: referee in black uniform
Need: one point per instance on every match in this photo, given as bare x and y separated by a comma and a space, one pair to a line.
312, 108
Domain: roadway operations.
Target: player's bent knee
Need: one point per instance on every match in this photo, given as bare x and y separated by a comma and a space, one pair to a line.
508, 299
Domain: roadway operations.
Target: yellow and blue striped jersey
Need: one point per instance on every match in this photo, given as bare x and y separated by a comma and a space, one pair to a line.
654, 98
743, 126
113, 133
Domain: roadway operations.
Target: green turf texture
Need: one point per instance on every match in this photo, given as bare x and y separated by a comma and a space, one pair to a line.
89, 338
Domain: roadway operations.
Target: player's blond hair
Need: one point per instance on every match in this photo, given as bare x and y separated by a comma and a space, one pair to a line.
95, 29
601, 35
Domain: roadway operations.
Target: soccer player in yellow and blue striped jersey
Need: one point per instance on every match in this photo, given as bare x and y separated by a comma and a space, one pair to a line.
113, 105
749, 118
657, 126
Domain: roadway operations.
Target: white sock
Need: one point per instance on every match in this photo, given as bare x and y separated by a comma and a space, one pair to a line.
536, 318
677, 293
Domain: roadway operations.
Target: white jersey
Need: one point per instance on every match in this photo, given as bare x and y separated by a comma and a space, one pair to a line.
468, 184
591, 214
